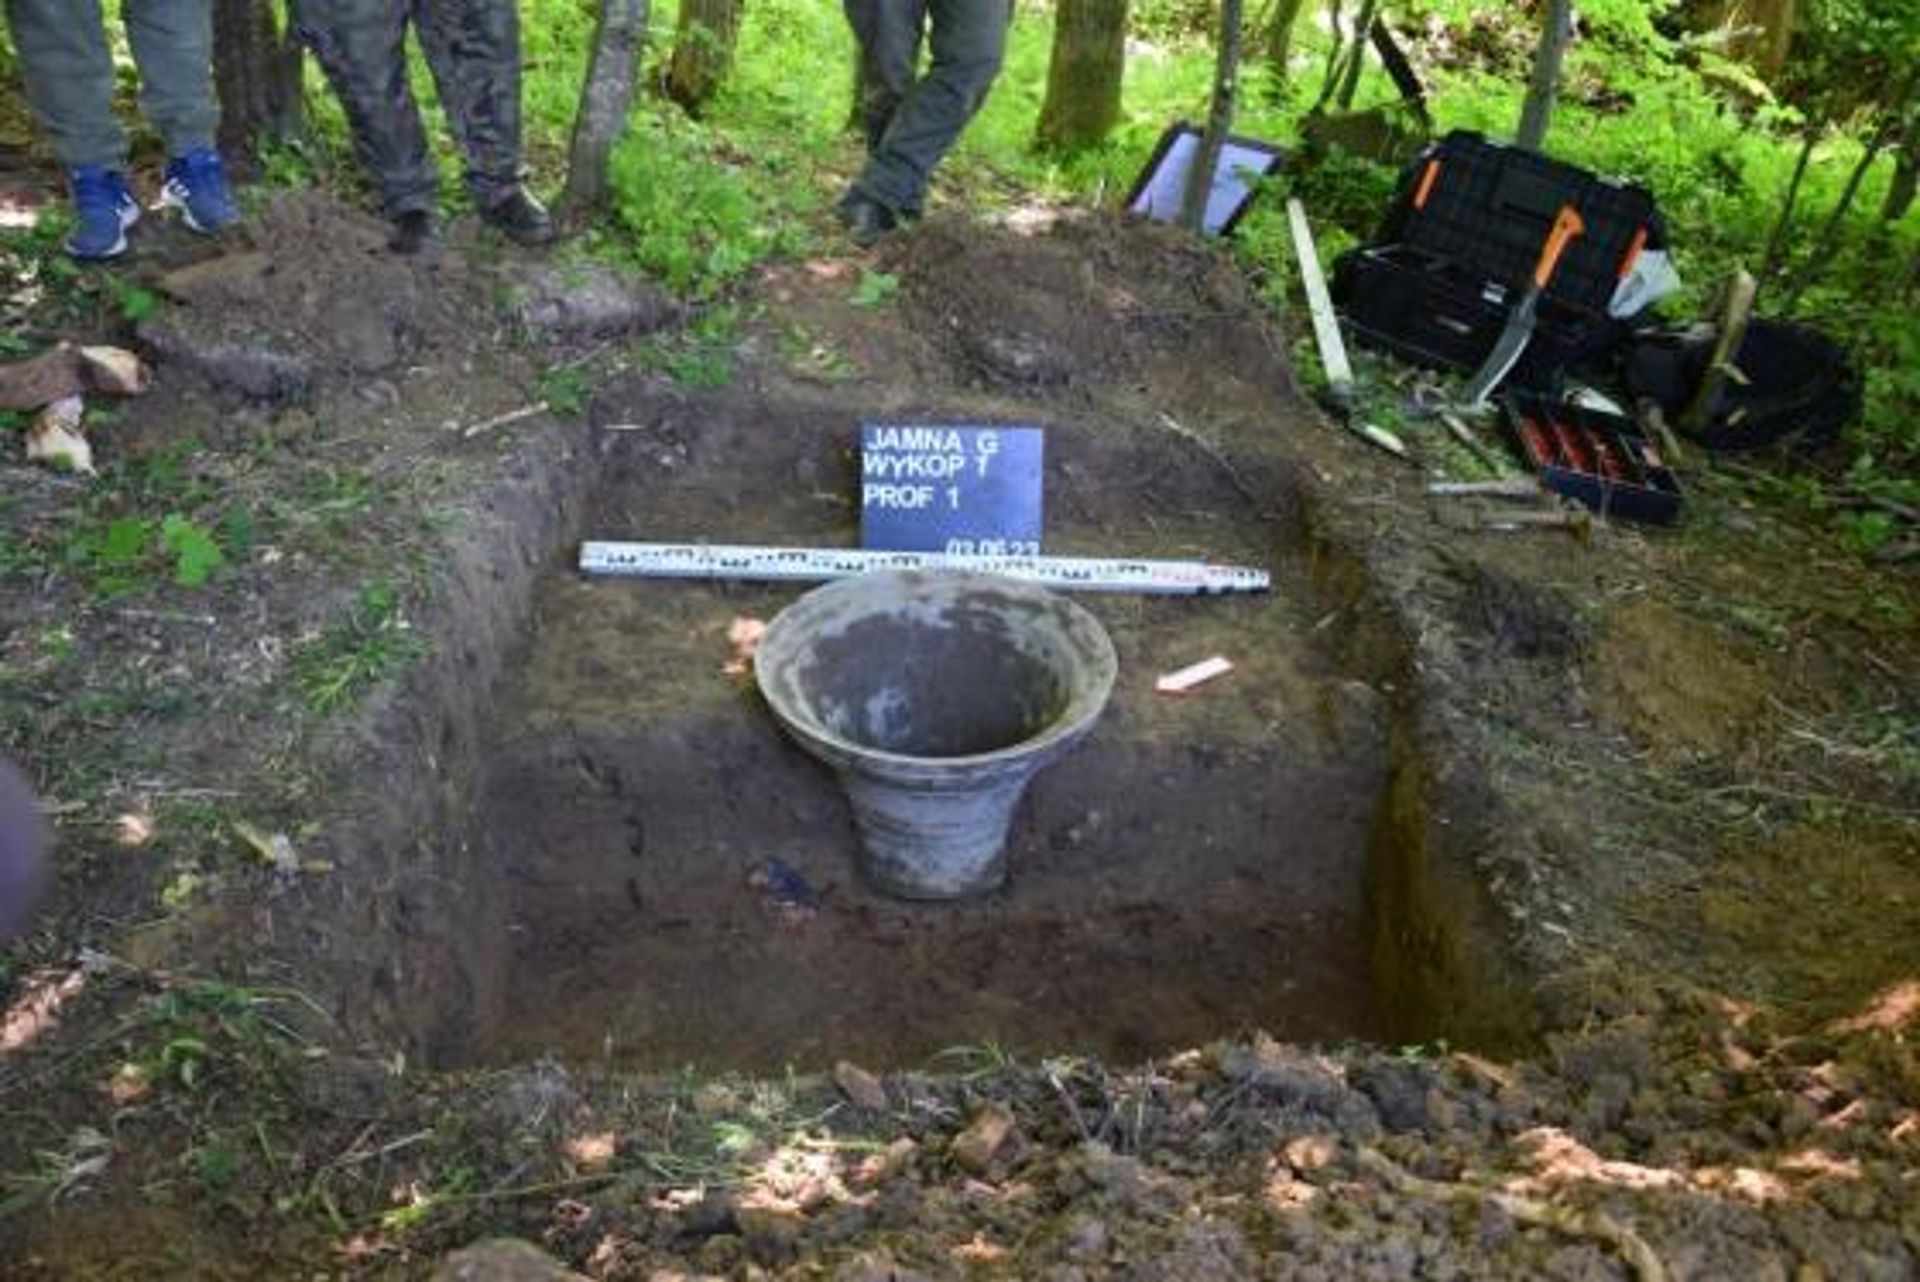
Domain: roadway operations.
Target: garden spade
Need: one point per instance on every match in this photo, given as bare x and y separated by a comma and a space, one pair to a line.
1519, 331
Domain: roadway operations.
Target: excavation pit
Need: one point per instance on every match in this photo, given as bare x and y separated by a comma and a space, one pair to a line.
658, 877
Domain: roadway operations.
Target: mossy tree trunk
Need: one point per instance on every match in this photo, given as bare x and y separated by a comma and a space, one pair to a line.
1357, 60
256, 72
1226, 93
1537, 113
703, 45
1765, 32
1906, 175
1084, 74
606, 96
1276, 39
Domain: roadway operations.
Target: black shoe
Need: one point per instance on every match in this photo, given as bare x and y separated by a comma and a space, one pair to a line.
520, 218
867, 220
412, 232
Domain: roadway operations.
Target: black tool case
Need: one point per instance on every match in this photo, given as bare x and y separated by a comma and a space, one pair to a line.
1459, 243
1594, 457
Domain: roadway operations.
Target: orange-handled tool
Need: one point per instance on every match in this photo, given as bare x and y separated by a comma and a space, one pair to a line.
1566, 225
1513, 340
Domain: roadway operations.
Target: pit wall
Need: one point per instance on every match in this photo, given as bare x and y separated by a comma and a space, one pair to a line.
405, 937
402, 938
1444, 969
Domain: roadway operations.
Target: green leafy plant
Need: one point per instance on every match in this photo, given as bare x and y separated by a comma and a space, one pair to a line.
195, 553
371, 641
134, 302
692, 217
565, 389
874, 288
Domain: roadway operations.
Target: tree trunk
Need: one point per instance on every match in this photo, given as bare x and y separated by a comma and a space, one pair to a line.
1350, 77
703, 45
1887, 135
1545, 87
857, 113
1777, 241
1906, 178
1763, 32
1330, 75
256, 72
605, 99
1276, 41
1226, 87
1084, 73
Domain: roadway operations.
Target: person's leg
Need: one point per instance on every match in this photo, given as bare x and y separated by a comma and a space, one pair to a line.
361, 45
473, 49
68, 72
889, 33
173, 48
968, 40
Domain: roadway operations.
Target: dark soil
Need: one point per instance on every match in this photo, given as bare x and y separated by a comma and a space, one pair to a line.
1456, 794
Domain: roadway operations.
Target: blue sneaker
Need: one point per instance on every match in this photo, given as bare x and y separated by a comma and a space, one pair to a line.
197, 186
103, 209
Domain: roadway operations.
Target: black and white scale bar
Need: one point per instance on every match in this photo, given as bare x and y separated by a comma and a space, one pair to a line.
778, 564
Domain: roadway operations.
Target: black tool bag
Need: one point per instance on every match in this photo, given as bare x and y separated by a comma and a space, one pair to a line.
1459, 243
1796, 384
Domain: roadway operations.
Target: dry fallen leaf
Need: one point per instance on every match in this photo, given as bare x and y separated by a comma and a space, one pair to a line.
129, 1084
276, 850
55, 436
133, 829
977, 1250
115, 371
1892, 1010
38, 1007
744, 635
590, 1152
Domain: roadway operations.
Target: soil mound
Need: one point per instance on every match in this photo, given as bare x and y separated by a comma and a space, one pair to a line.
309, 292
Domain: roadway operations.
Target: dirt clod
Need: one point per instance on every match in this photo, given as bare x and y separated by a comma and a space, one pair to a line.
503, 1260
587, 301
862, 1089
985, 1140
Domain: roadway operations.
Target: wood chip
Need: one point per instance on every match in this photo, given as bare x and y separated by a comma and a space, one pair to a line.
1192, 675
55, 437
115, 371
40, 380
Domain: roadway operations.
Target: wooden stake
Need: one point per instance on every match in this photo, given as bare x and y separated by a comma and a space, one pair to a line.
1734, 319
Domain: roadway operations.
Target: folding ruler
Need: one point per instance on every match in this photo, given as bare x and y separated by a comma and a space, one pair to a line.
778, 564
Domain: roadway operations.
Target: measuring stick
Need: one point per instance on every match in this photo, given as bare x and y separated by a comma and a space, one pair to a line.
809, 565
1326, 326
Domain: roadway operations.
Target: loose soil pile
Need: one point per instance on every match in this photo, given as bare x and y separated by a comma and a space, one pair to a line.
1467, 767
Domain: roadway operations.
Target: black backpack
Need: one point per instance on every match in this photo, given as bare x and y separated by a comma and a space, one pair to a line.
1801, 386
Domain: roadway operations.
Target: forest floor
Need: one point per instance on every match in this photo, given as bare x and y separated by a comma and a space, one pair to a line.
1519, 906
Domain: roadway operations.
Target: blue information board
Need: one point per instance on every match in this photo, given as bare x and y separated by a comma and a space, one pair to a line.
942, 488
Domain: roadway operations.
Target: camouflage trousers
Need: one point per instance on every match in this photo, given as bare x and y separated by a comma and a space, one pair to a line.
911, 119
473, 51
